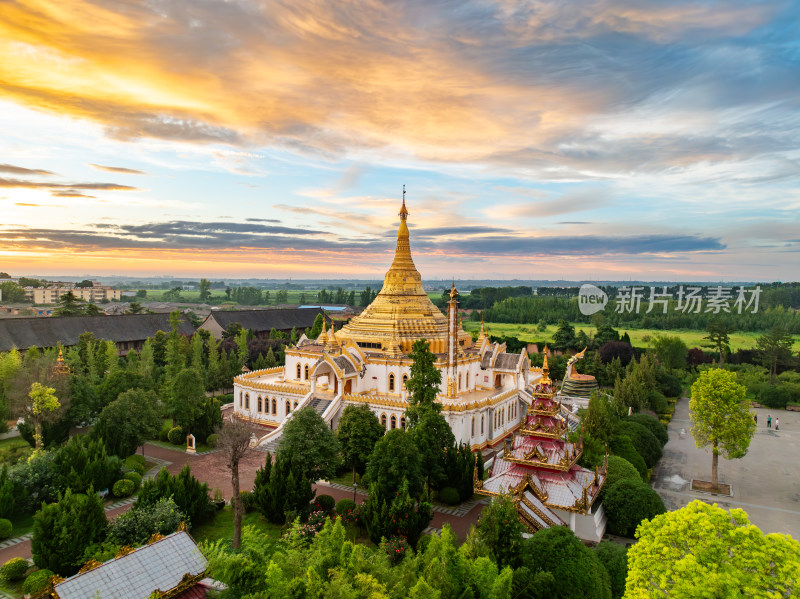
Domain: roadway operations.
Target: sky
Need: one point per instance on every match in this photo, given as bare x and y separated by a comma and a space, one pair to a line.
536, 140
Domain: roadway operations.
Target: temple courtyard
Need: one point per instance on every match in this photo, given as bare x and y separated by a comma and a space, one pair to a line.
764, 483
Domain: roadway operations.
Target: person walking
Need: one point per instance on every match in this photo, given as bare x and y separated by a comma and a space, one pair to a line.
769, 421
777, 423
755, 417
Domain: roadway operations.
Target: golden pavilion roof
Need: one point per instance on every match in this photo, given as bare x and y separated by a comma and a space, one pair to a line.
402, 312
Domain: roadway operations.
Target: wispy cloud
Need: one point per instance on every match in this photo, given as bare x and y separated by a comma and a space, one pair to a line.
117, 169
18, 170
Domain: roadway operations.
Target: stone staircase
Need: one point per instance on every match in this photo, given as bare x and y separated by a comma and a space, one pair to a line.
319, 404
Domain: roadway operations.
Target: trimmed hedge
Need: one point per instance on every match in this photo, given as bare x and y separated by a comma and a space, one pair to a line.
623, 447
136, 463
652, 424
123, 488
176, 436
14, 569
6, 528
135, 478
213, 440
36, 582
775, 396
629, 502
449, 496
345, 506
643, 440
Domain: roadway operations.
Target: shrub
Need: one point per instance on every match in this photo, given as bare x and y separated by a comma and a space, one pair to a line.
614, 558
652, 424
658, 403
629, 502
396, 548
135, 478
176, 436
248, 501
345, 507
123, 488
449, 496
189, 494
775, 396
669, 384
213, 440
14, 569
163, 433
136, 463
620, 469
37, 582
5, 528
622, 446
135, 527
325, 503
643, 440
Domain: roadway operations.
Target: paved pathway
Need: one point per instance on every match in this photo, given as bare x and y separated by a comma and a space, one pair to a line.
764, 482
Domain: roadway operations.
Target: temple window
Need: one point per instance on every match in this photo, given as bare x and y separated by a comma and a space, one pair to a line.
403, 422
246, 401
391, 383
240, 399
306, 372
459, 382
481, 423
294, 407
259, 404
288, 407
298, 371
383, 420
405, 380
473, 427
274, 406
394, 422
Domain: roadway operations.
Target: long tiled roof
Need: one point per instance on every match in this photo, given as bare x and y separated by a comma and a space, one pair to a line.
23, 333
280, 319
160, 565
507, 362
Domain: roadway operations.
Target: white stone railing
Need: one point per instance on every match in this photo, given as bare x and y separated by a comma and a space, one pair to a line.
331, 410
276, 434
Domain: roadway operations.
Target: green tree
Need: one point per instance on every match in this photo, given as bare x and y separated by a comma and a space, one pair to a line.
128, 421
359, 430
705, 551
671, 351
135, 308
175, 357
189, 494
43, 400
576, 570
205, 290
627, 502
614, 558
720, 418
234, 441
316, 328
12, 293
186, 398
500, 531
719, 337
423, 383
136, 526
69, 305
433, 438
242, 352
395, 516
312, 442
395, 457
63, 530
564, 337
774, 348
600, 419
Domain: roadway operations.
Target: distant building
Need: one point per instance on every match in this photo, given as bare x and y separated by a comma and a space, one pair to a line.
51, 295
171, 567
128, 331
261, 322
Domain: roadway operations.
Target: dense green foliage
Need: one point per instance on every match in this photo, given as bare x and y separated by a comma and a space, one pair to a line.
628, 502
705, 551
652, 424
282, 490
37, 581
14, 569
63, 530
623, 447
423, 383
312, 442
398, 515
359, 429
128, 421
123, 488
137, 525
643, 440
499, 531
614, 558
189, 494
5, 528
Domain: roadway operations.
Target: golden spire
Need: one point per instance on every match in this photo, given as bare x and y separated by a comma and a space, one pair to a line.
60, 366
403, 210
323, 336
332, 343
545, 368
482, 336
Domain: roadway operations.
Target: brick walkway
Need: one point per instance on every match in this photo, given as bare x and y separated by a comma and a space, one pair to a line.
211, 469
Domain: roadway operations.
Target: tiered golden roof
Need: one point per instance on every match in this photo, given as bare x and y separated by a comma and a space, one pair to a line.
402, 309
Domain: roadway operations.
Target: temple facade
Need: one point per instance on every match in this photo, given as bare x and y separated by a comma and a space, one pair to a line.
484, 390
539, 469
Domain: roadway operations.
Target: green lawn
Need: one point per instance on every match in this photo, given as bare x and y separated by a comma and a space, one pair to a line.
639, 337
222, 526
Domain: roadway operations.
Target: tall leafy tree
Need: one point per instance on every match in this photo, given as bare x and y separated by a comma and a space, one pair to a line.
500, 531
564, 337
312, 442
671, 351
395, 457
128, 421
205, 290
43, 401
434, 439
774, 348
69, 305
705, 551
719, 337
186, 397
720, 418
359, 430
423, 383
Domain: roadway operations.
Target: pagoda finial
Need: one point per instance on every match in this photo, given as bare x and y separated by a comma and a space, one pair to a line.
404, 210
482, 335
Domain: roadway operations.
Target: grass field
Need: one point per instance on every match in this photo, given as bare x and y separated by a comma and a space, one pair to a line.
222, 527
639, 337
